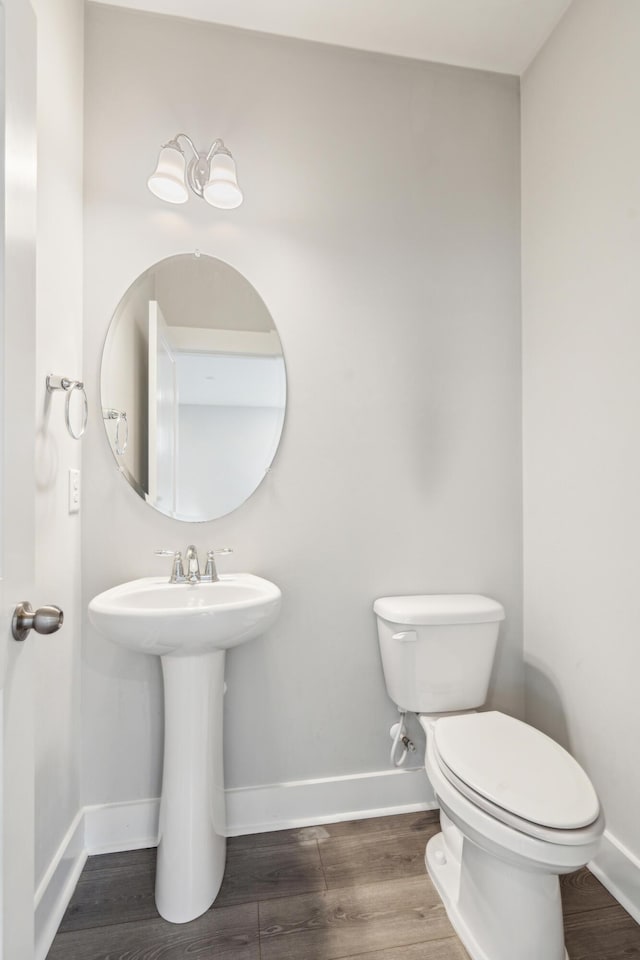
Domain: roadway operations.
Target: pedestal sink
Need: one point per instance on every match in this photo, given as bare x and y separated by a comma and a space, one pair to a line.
189, 626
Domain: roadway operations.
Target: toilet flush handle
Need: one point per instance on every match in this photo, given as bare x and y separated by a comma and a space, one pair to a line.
406, 636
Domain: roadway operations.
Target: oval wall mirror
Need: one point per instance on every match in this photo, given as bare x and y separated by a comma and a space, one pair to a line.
193, 387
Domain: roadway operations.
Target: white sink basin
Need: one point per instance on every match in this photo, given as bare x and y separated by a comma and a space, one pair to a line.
154, 616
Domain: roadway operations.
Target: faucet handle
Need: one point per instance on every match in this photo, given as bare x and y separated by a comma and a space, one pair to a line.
210, 573
177, 572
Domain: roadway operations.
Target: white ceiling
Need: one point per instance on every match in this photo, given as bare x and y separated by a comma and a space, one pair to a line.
500, 35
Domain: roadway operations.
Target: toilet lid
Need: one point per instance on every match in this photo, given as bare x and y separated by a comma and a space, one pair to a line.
517, 768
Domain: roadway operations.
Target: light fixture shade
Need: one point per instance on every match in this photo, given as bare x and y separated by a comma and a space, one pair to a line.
168, 179
222, 189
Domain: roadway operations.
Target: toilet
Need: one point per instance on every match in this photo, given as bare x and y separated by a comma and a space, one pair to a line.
516, 810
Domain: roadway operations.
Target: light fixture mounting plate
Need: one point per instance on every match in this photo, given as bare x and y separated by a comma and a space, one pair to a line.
198, 174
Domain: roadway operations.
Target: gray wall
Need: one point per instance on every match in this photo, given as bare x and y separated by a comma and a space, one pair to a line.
381, 228
581, 303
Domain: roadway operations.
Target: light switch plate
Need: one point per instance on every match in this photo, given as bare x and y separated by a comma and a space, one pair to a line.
74, 490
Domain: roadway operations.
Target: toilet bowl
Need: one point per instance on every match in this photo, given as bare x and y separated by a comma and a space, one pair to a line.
516, 810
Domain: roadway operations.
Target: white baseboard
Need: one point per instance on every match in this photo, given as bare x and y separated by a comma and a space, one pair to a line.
57, 885
112, 827
276, 806
619, 871
304, 803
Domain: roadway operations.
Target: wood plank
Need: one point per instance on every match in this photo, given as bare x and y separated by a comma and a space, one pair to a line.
273, 838
112, 895
352, 920
401, 823
449, 949
267, 872
369, 859
582, 891
608, 933
348, 828
126, 858
227, 934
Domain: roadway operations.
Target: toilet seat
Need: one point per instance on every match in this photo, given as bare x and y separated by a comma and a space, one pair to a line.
548, 796
575, 837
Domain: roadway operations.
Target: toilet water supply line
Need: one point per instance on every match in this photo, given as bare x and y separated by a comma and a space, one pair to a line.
399, 733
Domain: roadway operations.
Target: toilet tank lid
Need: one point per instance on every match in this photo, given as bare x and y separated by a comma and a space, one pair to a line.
439, 609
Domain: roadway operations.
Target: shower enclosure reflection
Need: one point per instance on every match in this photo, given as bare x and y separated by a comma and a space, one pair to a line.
194, 364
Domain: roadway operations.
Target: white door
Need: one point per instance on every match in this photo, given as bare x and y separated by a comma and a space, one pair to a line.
163, 414
17, 420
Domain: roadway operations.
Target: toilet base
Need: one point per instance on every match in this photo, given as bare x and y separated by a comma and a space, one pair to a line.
523, 939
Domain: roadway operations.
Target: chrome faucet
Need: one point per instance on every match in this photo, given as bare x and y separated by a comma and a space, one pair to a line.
192, 572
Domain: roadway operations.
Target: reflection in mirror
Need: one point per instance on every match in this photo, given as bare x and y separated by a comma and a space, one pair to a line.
193, 387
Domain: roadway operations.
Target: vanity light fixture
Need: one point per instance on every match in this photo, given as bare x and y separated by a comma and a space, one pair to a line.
211, 176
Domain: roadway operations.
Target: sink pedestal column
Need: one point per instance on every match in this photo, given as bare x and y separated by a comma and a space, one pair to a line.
192, 845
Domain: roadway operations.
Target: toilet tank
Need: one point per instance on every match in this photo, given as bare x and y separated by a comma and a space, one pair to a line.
438, 651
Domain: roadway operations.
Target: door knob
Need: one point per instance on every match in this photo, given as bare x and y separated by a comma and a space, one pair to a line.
42, 620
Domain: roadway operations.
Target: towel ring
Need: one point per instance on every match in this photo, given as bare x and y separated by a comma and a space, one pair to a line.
55, 382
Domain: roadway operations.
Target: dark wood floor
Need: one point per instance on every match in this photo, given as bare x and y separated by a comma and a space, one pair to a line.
354, 889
